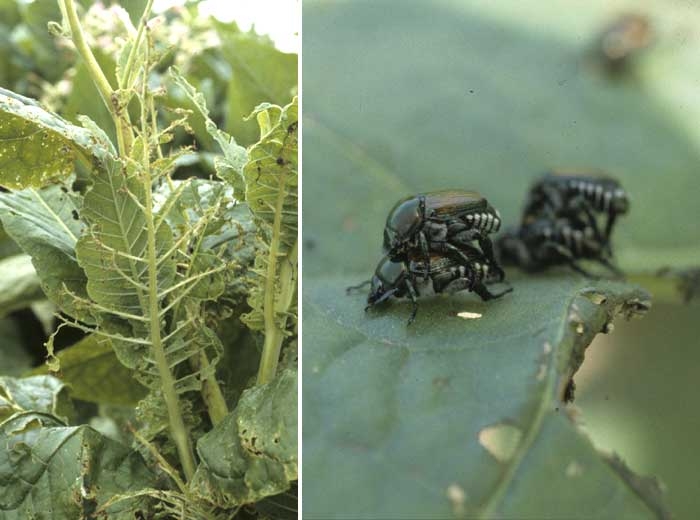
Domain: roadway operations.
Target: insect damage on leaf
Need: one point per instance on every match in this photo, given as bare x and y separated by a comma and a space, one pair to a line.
36, 146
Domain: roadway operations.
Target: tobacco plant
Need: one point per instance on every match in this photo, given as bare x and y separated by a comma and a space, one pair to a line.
157, 273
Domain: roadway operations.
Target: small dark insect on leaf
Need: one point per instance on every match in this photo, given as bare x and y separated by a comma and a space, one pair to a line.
75, 215
280, 161
292, 128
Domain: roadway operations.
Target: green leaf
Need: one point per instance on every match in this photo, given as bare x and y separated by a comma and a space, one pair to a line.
94, 374
252, 453
36, 146
85, 99
455, 417
44, 394
46, 225
19, 284
488, 97
47, 468
16, 360
260, 73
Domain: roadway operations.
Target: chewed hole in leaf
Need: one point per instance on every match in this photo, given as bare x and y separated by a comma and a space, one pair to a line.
501, 440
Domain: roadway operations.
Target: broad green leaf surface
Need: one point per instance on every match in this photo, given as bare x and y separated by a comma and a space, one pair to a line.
15, 358
259, 73
397, 419
19, 284
46, 225
401, 422
40, 393
252, 453
84, 98
487, 96
40, 456
94, 374
36, 146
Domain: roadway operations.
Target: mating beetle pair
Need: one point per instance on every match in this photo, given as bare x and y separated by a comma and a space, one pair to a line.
560, 222
431, 235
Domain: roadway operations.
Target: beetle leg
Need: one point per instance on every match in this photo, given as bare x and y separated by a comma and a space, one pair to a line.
353, 288
515, 251
426, 254
458, 252
487, 248
382, 298
487, 295
412, 294
465, 236
612, 217
566, 254
554, 199
580, 203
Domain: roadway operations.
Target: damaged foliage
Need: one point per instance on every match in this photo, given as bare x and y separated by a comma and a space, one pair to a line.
151, 269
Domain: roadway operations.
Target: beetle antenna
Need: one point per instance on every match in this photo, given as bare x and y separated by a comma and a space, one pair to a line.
353, 288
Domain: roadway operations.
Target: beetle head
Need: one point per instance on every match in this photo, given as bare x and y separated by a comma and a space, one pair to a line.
386, 281
403, 221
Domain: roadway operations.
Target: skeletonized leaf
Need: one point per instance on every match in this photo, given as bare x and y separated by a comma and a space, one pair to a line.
46, 225
271, 191
113, 254
227, 224
252, 453
36, 146
229, 167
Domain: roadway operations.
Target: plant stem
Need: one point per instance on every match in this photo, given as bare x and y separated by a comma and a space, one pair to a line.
121, 122
274, 330
126, 74
178, 430
212, 394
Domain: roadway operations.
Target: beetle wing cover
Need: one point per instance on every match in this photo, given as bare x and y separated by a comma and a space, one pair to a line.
453, 203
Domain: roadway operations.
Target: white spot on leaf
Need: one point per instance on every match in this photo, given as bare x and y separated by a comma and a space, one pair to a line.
457, 498
574, 469
501, 440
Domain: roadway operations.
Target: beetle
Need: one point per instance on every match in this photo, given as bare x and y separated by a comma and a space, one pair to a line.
545, 242
399, 278
442, 222
624, 39
570, 193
